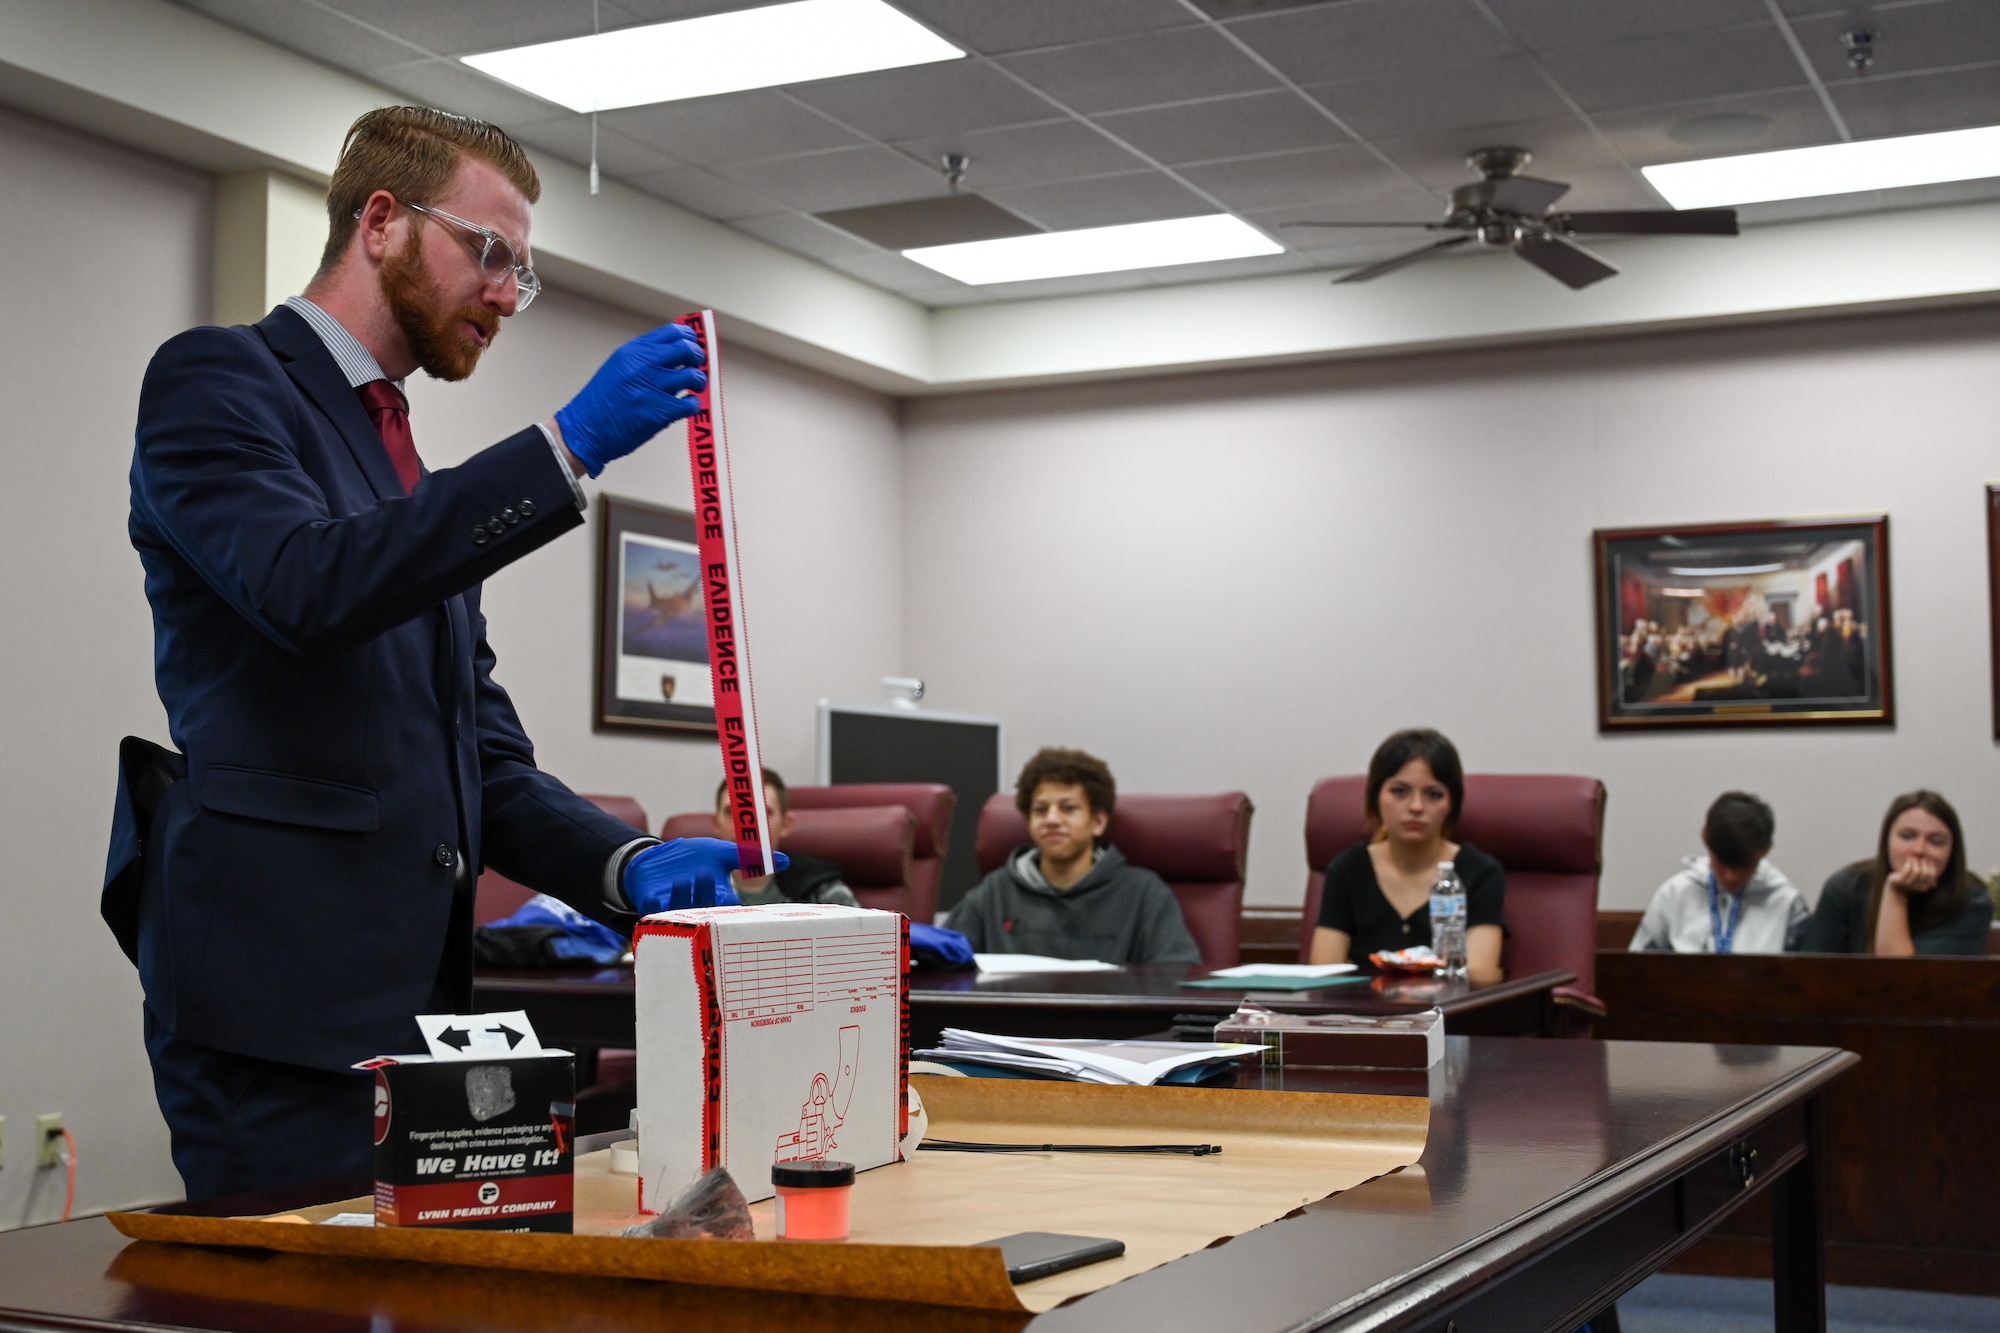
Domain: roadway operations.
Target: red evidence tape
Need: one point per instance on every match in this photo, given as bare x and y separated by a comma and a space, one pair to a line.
722, 597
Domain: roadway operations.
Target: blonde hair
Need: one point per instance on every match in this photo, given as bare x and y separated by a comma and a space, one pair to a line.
412, 152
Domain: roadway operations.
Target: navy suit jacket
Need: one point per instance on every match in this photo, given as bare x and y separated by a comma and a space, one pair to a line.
319, 648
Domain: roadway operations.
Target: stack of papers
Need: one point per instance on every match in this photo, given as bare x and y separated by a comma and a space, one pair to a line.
1004, 964
1086, 1061
1278, 976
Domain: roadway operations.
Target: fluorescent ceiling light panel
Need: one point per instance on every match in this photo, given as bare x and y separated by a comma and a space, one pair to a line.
1839, 168
1064, 254
722, 53
1717, 571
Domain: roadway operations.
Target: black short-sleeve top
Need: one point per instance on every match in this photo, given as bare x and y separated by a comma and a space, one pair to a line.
1353, 901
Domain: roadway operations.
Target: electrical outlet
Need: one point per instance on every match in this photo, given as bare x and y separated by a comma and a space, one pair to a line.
48, 1140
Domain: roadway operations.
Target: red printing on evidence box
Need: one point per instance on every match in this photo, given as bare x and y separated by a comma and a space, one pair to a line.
722, 599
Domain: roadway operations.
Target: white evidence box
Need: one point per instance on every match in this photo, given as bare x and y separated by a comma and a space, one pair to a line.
769, 1034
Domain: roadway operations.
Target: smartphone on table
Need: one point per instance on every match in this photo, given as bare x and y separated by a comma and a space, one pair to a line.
1037, 1254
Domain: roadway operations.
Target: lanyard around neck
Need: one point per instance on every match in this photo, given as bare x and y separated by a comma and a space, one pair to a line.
1724, 939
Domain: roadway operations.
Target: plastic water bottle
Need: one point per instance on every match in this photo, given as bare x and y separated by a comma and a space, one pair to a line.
1448, 920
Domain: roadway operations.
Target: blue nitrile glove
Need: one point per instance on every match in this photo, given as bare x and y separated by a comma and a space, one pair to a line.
934, 946
687, 872
632, 397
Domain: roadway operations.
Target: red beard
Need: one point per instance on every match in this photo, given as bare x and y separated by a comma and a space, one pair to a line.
436, 335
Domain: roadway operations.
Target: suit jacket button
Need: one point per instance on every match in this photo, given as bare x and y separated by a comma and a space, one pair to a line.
479, 537
511, 514
527, 509
445, 856
497, 526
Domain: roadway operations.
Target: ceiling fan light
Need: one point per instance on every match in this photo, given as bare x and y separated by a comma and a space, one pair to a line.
1840, 168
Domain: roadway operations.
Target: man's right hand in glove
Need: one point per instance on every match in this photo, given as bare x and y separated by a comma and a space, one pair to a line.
687, 872
633, 396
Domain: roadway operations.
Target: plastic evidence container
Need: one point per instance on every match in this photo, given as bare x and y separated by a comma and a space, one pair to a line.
813, 1199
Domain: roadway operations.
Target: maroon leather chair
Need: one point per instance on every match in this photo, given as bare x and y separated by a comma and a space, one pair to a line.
932, 803
497, 896
1546, 830
870, 843
1197, 844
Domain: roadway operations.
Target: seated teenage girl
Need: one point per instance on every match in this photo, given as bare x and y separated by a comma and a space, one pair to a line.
1915, 897
1378, 892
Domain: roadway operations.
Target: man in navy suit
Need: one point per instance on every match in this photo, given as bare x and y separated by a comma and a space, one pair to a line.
296, 883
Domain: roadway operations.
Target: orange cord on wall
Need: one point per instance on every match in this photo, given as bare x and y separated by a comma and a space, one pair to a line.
69, 1156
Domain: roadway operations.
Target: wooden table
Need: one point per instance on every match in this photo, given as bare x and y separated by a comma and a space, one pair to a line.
1557, 1175
594, 1008
1914, 1203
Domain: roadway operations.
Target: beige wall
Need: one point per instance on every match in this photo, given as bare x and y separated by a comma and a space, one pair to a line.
112, 257
1246, 581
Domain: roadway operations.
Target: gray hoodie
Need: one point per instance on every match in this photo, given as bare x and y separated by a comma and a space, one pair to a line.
1117, 913
1679, 919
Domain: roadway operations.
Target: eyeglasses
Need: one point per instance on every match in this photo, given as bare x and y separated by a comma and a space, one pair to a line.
497, 256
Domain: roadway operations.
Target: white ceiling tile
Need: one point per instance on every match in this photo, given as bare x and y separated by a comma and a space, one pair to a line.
704, 192
1104, 201
1228, 127
1148, 70
1220, 270
326, 36
992, 26
1365, 38
1676, 68
1547, 25
889, 270
1026, 154
1718, 127
1907, 39
843, 178
1876, 108
942, 98
732, 128
450, 86
1322, 174
1562, 147
1444, 98
568, 137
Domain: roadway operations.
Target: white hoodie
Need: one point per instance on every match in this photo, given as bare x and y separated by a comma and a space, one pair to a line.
1679, 918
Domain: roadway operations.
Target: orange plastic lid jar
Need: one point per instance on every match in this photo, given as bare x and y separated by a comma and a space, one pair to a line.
813, 1199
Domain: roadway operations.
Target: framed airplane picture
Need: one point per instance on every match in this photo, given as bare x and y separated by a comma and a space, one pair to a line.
652, 649
1721, 625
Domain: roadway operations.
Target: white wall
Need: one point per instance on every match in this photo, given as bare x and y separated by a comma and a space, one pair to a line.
108, 258
818, 471
112, 257
1247, 580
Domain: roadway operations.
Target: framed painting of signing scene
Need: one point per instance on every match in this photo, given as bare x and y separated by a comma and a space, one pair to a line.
652, 645
1734, 624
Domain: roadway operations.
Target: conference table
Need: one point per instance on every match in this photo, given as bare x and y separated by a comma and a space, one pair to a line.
594, 1007
1557, 1174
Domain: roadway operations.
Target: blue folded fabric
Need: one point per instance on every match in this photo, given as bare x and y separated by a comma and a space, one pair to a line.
581, 937
934, 946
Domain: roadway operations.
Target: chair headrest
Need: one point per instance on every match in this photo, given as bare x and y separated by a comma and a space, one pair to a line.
931, 802
1543, 822
1183, 839
870, 843
620, 807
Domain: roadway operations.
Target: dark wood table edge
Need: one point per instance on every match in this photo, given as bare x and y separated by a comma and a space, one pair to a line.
1424, 1294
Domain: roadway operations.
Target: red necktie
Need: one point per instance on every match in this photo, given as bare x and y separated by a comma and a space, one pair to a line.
391, 411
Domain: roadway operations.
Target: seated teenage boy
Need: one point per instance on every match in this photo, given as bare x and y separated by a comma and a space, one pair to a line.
1071, 895
1732, 900
808, 879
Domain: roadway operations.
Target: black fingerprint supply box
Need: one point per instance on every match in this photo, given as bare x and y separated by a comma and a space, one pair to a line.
479, 1132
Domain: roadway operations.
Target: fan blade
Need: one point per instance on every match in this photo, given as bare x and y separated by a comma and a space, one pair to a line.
1648, 222
1427, 226
1407, 257
1565, 261
1527, 196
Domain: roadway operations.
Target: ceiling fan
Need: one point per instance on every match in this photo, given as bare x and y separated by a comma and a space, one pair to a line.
1505, 210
